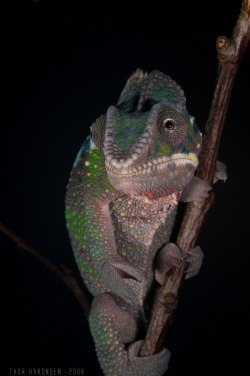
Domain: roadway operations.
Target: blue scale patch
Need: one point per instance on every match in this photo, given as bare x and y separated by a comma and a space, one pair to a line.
84, 148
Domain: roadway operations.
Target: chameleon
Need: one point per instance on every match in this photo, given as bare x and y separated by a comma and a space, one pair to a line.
125, 185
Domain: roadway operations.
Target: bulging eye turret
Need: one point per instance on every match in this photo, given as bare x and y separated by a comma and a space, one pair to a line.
172, 127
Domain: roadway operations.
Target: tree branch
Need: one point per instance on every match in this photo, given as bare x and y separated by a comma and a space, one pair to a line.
64, 273
230, 53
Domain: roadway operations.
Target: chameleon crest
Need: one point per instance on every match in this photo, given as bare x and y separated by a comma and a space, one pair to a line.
121, 203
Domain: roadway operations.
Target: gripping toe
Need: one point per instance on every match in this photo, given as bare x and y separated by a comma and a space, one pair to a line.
168, 257
154, 365
195, 260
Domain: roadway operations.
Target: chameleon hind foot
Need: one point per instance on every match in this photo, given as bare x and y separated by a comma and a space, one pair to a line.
154, 365
114, 329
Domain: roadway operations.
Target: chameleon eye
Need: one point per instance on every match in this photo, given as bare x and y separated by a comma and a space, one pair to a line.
169, 124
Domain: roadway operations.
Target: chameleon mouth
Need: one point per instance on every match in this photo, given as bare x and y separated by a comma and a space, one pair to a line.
179, 159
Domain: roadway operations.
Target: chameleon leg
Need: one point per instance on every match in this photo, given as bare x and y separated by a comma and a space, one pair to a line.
113, 329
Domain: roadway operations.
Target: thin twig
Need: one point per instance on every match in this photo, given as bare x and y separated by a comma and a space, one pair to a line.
64, 273
230, 53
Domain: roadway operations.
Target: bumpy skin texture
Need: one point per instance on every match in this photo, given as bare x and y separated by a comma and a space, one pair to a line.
121, 204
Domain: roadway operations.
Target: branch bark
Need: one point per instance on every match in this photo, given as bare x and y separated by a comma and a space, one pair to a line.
64, 273
230, 53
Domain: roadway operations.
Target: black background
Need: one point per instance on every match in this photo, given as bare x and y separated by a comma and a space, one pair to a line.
64, 63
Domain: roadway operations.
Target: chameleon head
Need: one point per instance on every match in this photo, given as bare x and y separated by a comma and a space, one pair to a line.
151, 149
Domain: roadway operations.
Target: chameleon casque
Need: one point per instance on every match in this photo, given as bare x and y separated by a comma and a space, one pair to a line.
121, 203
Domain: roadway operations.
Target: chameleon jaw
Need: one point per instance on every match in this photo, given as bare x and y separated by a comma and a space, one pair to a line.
179, 159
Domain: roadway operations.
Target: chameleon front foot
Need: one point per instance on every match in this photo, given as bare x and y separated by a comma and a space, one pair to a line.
196, 191
170, 256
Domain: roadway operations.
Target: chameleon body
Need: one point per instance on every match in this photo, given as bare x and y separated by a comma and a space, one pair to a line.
121, 204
